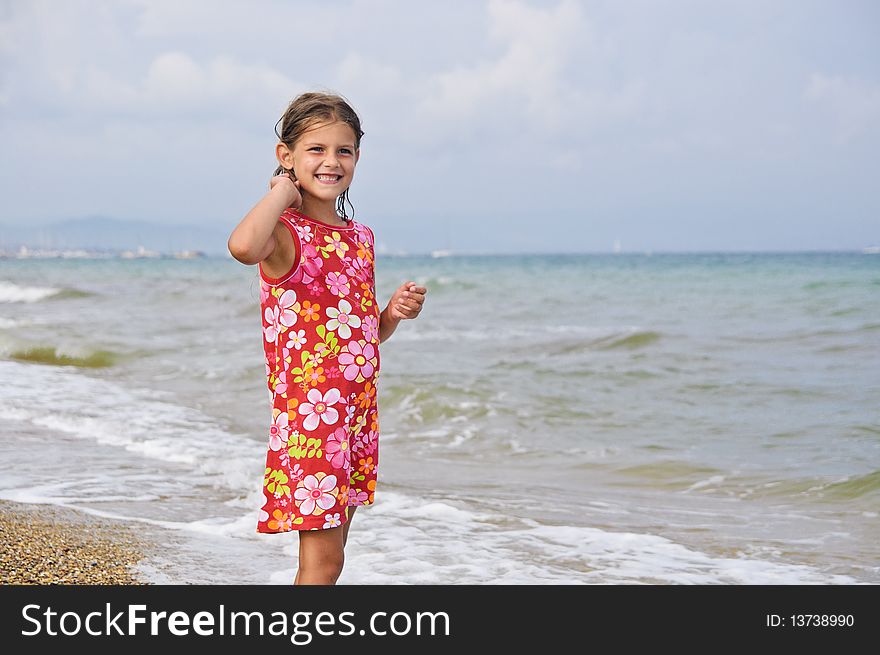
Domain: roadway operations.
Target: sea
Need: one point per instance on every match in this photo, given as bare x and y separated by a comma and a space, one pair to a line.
620, 418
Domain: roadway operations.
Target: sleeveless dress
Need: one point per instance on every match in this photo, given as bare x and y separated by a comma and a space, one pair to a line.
321, 341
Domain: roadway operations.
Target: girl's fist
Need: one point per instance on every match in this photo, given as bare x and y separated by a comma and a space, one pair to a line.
291, 185
407, 301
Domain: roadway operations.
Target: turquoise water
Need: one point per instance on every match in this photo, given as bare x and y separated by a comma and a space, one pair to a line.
595, 418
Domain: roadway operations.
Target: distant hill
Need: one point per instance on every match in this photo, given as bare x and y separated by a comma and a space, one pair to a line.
103, 233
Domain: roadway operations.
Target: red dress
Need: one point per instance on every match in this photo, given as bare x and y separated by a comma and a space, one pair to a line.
321, 340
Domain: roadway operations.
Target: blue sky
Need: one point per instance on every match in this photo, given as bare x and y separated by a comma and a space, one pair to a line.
498, 126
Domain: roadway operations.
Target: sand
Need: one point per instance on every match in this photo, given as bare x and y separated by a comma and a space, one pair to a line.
46, 545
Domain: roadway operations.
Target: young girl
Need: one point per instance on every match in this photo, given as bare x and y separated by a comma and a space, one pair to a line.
321, 333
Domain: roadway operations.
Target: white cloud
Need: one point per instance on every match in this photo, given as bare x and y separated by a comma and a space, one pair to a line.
536, 45
855, 103
530, 90
175, 83
522, 96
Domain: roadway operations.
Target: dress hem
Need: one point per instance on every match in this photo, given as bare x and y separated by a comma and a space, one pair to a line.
304, 528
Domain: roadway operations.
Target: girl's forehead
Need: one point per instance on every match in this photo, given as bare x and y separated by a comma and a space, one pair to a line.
323, 129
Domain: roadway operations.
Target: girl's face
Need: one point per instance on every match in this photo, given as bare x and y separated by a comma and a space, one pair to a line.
323, 159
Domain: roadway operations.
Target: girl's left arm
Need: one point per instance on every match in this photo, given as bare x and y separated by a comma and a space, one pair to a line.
405, 303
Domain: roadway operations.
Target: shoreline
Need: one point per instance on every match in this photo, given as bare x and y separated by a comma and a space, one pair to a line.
47, 544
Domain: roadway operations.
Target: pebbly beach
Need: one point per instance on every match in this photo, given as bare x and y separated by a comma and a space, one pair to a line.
51, 545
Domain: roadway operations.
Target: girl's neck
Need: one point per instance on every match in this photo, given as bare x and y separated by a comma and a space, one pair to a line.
326, 213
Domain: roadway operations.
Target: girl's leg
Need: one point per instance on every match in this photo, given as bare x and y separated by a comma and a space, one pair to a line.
321, 555
347, 524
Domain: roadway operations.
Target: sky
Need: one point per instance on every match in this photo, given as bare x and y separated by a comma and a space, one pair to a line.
502, 126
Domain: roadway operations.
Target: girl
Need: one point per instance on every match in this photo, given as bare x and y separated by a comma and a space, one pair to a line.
321, 333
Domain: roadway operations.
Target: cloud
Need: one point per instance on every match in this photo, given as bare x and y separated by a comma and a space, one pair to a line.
854, 103
176, 84
526, 88
526, 77
108, 62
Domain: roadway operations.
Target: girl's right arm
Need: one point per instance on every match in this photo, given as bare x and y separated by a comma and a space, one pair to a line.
253, 240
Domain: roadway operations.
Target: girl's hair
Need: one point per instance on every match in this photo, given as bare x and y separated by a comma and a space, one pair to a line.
308, 108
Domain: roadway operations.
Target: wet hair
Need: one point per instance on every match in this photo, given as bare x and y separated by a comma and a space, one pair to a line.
307, 109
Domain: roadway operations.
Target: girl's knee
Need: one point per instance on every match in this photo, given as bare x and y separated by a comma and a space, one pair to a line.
329, 562
323, 569
321, 556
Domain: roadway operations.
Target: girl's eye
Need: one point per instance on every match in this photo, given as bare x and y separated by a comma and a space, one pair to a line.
346, 150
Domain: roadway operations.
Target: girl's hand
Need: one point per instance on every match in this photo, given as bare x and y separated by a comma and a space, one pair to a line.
407, 301
291, 185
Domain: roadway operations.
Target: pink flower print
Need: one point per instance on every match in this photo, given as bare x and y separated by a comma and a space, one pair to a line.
370, 326
315, 496
300, 276
342, 320
279, 431
358, 269
337, 449
305, 232
332, 520
363, 233
297, 340
315, 288
288, 308
311, 261
356, 361
319, 408
281, 382
264, 291
272, 316
356, 497
296, 473
336, 244
337, 283
370, 440
351, 267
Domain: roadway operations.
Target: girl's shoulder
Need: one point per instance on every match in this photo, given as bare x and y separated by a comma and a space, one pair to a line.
366, 232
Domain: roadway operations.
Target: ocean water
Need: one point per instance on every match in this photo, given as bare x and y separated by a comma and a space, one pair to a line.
620, 418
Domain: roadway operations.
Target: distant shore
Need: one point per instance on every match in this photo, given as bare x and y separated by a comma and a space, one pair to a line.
46, 545
24, 252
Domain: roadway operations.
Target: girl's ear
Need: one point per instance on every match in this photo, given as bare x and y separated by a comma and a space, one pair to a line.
284, 155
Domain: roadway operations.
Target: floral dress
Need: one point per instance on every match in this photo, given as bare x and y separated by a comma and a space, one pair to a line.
321, 340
